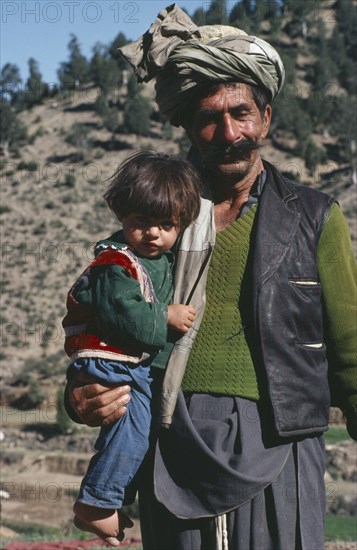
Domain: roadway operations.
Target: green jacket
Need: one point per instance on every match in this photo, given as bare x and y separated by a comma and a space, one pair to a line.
110, 314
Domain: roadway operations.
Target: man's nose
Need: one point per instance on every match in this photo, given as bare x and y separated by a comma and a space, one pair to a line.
229, 129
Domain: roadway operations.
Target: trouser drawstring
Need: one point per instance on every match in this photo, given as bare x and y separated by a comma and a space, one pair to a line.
221, 532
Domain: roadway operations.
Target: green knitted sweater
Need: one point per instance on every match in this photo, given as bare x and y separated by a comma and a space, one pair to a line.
221, 361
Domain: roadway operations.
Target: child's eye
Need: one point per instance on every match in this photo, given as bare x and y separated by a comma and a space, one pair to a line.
142, 220
167, 225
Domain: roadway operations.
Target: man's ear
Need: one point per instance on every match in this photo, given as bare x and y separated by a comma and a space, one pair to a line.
266, 121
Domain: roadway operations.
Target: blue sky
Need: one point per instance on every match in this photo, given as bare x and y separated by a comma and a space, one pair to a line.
41, 28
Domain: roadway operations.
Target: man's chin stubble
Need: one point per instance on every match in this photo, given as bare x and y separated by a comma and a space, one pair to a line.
228, 172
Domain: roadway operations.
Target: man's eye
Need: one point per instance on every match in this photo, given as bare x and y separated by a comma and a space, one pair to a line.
209, 119
206, 118
240, 114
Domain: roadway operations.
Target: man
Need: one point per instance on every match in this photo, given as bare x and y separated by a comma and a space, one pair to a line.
269, 268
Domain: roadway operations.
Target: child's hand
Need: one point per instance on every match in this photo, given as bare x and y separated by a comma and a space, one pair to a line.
181, 317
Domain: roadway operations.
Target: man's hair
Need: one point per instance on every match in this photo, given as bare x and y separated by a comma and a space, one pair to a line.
204, 90
156, 185
261, 98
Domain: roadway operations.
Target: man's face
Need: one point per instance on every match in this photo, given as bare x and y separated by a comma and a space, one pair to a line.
228, 130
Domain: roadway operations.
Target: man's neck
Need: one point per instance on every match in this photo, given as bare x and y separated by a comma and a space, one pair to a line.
229, 200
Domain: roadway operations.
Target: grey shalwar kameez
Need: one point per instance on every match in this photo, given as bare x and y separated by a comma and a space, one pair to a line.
207, 465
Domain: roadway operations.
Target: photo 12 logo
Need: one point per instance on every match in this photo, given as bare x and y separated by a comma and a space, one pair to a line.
69, 11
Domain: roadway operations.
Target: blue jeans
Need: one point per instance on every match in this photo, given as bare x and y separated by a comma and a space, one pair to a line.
121, 447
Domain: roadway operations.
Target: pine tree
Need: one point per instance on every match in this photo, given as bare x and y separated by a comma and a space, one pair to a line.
133, 86
346, 17
136, 116
74, 73
217, 13
12, 131
119, 41
79, 136
313, 156
297, 13
322, 74
199, 17
237, 16
324, 70
10, 85
242, 15
110, 120
344, 126
35, 87
344, 44
104, 70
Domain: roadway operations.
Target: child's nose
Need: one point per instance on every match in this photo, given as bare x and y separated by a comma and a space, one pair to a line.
153, 231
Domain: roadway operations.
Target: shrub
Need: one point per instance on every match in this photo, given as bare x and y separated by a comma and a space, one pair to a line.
79, 136
29, 166
69, 180
33, 396
3, 163
313, 156
40, 229
136, 119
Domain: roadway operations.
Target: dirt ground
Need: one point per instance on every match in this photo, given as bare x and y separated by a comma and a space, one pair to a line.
44, 497
40, 496
42, 475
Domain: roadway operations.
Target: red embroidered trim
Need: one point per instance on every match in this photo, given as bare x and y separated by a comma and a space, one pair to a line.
90, 341
77, 314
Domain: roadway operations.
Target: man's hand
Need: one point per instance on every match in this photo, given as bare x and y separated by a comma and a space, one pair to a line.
180, 317
95, 404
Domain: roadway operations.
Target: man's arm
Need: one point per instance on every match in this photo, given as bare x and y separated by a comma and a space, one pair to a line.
338, 276
88, 402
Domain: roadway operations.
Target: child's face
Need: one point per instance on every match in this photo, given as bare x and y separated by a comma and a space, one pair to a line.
149, 236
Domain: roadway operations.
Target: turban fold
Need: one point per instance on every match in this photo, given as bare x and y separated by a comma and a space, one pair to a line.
183, 56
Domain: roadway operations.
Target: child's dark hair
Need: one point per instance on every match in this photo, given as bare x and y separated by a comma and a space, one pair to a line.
155, 184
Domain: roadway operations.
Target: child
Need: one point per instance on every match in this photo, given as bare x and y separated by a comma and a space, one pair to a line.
119, 319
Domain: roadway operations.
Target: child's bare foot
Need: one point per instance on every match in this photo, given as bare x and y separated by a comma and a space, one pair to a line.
109, 525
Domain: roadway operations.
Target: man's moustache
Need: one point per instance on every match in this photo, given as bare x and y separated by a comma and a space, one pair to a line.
240, 148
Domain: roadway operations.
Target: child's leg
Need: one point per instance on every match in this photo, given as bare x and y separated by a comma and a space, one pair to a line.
120, 451
106, 524
110, 478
